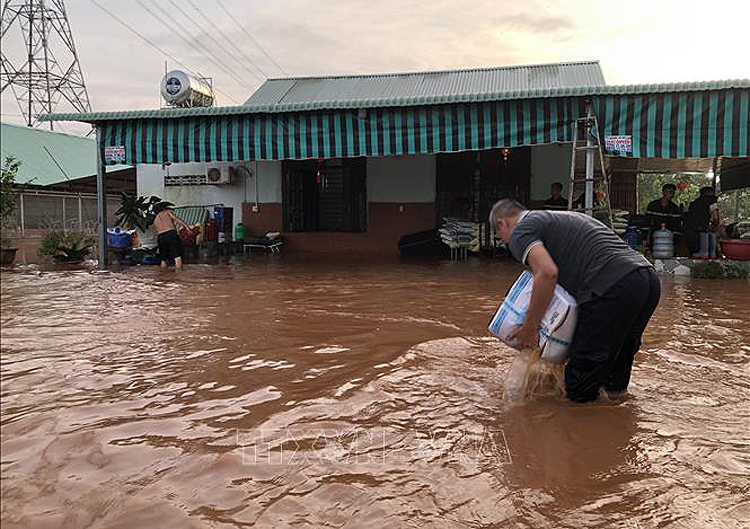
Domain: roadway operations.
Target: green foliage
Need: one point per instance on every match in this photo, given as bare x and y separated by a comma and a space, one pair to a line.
137, 212
66, 247
708, 270
735, 271
8, 194
649, 188
717, 270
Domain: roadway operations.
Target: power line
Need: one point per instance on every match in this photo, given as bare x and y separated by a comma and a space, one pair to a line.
208, 50
213, 39
146, 39
149, 42
211, 22
218, 62
247, 32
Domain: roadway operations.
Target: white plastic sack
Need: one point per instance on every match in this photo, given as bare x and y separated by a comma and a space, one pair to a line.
556, 328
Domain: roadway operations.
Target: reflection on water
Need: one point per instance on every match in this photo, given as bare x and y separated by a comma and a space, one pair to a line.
352, 395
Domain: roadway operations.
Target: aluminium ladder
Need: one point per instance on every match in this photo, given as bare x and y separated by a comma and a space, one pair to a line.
590, 128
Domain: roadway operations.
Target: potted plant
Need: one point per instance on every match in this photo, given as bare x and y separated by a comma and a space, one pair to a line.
66, 247
8, 197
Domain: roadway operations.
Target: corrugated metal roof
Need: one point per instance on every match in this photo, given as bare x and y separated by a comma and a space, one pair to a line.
446, 86
93, 117
75, 154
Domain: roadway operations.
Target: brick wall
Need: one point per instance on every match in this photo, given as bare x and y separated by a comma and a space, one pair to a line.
386, 224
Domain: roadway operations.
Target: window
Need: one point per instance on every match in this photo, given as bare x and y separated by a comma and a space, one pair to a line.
325, 195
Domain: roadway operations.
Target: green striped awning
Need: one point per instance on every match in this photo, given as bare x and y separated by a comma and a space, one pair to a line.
344, 133
668, 125
702, 124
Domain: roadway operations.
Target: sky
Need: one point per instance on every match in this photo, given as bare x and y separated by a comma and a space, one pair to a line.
636, 41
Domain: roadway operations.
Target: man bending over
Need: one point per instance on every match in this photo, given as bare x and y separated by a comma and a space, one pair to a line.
616, 288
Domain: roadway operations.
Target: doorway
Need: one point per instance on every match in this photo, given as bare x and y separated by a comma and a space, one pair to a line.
325, 195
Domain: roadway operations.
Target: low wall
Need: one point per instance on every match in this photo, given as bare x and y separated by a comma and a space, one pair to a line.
387, 222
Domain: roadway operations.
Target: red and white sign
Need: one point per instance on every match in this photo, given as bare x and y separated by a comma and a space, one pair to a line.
114, 154
619, 144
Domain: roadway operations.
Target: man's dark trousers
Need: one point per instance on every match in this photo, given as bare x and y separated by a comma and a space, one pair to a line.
608, 334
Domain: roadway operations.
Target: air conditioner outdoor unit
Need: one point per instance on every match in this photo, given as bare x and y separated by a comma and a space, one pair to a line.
225, 173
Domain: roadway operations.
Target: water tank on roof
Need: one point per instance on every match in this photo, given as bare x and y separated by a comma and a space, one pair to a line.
182, 90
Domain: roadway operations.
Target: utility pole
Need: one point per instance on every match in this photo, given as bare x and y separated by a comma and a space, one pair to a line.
48, 72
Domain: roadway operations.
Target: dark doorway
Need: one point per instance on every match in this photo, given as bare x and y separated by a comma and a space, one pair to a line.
325, 195
469, 183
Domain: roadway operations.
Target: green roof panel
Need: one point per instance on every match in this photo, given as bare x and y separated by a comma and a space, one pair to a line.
168, 113
75, 154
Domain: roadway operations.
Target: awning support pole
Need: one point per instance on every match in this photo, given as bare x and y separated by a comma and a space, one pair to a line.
101, 202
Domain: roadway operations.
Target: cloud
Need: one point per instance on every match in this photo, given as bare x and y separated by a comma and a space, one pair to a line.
321, 37
538, 24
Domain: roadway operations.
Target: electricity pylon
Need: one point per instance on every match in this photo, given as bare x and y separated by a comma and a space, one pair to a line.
47, 69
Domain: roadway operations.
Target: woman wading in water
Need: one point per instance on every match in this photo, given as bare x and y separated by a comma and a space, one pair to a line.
170, 244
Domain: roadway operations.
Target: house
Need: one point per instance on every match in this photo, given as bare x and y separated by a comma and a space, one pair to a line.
352, 163
366, 203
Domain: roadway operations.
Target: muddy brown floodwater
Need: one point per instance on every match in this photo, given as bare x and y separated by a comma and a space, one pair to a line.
320, 394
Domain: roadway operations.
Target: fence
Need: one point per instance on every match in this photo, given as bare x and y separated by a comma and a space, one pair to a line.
40, 211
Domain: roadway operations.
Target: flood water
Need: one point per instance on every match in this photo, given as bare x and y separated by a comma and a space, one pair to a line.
283, 393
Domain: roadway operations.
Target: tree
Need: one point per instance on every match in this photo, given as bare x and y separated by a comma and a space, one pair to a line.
8, 194
688, 189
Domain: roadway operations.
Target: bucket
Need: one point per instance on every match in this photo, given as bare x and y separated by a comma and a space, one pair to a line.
239, 232
117, 238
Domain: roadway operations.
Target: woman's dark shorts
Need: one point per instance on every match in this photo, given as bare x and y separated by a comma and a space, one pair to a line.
170, 245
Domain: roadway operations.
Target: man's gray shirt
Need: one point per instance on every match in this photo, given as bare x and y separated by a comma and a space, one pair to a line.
589, 256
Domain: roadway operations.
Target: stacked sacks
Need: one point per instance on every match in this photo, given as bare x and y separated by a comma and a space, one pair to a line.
619, 220
457, 233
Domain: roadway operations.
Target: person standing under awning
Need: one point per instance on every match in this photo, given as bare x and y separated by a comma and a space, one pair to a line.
664, 211
702, 216
555, 201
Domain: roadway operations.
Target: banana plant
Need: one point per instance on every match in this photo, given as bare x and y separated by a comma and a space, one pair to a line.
136, 212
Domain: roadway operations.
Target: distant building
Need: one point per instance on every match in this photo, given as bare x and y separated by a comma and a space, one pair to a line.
53, 161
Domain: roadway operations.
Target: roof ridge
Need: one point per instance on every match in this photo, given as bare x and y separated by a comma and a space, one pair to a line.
427, 72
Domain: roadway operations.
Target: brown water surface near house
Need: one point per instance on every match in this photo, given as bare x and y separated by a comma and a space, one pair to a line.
299, 393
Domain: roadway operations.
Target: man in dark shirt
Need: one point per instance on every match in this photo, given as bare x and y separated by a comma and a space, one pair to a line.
664, 211
616, 288
556, 201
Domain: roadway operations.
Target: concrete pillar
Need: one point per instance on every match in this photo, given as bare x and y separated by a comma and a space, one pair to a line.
101, 201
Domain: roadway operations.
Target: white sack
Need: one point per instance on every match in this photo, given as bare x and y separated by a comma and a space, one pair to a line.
556, 328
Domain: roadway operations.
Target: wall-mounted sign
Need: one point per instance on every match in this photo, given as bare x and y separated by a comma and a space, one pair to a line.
114, 154
618, 144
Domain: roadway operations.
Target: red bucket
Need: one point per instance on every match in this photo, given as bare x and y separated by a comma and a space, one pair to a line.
737, 249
